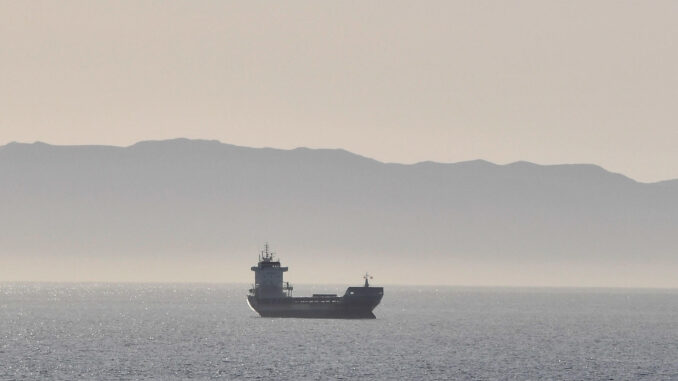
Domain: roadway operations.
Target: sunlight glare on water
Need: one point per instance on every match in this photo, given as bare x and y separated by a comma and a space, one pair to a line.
200, 331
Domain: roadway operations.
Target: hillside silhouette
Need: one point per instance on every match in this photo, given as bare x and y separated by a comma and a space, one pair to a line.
328, 210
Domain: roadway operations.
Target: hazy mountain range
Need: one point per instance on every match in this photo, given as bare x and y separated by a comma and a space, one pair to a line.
194, 210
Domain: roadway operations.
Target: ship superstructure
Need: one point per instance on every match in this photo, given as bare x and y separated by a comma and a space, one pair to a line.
271, 296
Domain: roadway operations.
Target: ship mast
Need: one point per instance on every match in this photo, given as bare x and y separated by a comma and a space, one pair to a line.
366, 277
265, 255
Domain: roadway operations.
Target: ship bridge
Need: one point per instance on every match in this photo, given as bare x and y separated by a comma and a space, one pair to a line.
268, 276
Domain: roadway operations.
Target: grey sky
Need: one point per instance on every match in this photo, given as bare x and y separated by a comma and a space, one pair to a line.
543, 81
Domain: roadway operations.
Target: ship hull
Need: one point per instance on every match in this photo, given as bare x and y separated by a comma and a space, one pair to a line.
357, 303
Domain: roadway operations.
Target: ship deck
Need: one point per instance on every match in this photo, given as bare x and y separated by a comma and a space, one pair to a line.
304, 300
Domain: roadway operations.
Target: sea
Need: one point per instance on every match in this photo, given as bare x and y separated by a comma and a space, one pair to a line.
95, 331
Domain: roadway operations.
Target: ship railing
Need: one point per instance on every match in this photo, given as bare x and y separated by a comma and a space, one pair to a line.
318, 300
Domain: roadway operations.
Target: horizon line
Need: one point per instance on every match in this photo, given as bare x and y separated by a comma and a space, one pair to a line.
408, 285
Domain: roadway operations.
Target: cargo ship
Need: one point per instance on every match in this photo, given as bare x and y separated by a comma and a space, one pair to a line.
272, 297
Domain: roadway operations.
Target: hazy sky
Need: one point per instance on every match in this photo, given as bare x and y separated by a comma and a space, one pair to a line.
544, 81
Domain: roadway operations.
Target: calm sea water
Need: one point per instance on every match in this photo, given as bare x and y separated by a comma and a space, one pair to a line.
148, 331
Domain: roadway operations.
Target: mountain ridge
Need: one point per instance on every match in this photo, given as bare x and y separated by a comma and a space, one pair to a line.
200, 203
217, 143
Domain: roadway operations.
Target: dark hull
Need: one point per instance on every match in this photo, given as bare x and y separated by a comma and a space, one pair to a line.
358, 303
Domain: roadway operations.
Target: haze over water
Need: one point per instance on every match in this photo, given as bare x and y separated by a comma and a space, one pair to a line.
522, 143
203, 331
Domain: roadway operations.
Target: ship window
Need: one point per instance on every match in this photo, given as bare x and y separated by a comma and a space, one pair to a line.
352, 292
